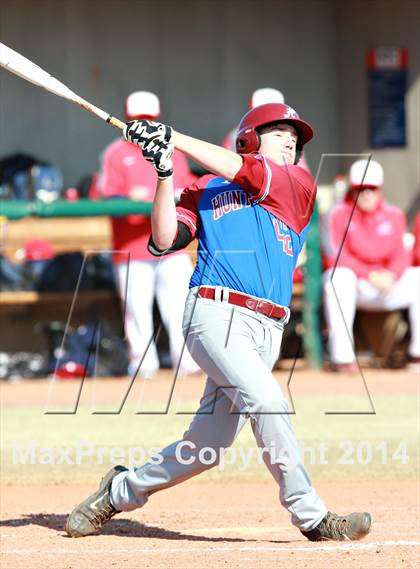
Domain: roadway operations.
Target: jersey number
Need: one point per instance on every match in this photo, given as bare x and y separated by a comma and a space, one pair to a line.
284, 238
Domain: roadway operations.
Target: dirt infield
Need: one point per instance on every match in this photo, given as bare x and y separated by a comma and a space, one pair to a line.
196, 525
307, 382
216, 523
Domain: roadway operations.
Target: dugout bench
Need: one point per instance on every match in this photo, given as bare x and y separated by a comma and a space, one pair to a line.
84, 226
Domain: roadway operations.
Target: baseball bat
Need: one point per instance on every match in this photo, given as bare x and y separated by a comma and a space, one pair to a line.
26, 69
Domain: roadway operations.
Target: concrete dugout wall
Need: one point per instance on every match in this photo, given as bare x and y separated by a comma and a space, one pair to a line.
204, 58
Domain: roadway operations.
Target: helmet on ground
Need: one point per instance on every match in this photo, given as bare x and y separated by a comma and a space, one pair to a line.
142, 105
366, 174
248, 137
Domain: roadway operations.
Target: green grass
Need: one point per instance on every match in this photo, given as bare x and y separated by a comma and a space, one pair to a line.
366, 438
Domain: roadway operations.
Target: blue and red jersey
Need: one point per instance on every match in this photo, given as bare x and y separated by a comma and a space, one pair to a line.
250, 231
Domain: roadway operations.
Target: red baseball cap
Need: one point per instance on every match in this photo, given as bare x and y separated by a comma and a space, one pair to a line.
38, 250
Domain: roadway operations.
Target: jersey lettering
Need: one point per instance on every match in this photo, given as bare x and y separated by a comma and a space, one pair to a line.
236, 199
217, 210
229, 201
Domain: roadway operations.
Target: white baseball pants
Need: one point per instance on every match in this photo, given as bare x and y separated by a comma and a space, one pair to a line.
168, 279
346, 292
237, 348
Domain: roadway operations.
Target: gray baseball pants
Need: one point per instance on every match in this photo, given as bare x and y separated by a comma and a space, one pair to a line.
237, 348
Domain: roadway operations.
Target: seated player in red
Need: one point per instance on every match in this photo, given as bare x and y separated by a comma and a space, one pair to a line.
370, 265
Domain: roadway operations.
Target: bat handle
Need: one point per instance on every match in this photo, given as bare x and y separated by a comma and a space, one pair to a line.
115, 122
100, 113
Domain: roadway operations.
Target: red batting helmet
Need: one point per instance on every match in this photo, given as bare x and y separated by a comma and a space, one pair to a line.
248, 138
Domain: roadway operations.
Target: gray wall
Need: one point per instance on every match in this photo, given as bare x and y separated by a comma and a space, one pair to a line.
362, 24
204, 58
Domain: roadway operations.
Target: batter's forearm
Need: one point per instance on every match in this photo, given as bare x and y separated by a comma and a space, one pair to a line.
216, 159
163, 216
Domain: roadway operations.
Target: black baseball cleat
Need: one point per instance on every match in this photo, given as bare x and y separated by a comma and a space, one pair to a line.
91, 514
339, 528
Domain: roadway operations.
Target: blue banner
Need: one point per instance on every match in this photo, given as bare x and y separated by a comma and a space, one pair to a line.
387, 85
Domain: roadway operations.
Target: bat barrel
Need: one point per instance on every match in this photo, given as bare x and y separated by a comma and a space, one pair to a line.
26, 69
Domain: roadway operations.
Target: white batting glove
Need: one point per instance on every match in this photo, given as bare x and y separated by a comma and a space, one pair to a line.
160, 155
143, 131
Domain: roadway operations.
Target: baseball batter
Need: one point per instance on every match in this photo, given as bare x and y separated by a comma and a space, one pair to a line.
250, 218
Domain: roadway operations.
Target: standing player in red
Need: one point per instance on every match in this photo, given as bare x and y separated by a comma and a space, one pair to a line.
250, 218
140, 275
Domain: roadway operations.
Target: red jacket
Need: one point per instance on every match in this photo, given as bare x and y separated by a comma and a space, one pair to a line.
416, 247
374, 240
